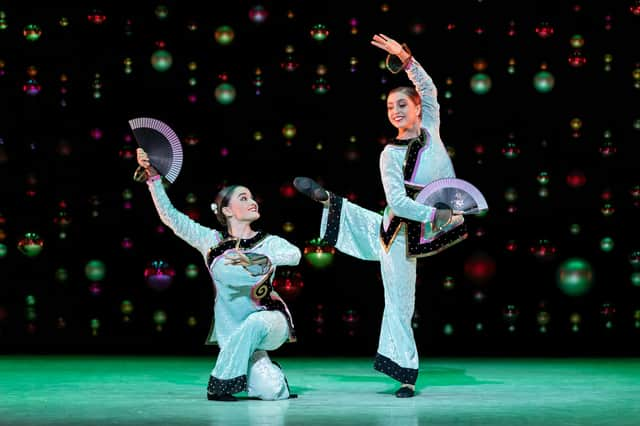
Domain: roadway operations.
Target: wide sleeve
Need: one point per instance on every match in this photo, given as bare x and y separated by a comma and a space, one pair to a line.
401, 204
275, 251
194, 234
281, 252
424, 85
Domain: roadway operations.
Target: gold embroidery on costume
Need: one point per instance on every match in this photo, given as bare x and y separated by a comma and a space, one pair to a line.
259, 291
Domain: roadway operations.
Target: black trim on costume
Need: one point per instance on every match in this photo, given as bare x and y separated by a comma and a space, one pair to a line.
265, 298
414, 145
262, 289
411, 156
389, 234
333, 220
392, 369
413, 231
228, 242
227, 386
445, 240
412, 192
422, 138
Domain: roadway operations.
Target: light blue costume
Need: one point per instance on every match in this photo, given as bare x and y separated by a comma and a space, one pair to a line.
403, 232
250, 318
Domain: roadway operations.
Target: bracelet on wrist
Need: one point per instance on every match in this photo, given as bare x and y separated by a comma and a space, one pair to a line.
394, 64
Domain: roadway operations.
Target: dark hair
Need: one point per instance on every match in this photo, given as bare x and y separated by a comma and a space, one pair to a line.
411, 92
222, 200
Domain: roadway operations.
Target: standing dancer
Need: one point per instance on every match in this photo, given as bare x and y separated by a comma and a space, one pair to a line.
250, 318
416, 157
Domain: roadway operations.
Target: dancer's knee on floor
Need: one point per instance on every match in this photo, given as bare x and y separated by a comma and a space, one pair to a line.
266, 381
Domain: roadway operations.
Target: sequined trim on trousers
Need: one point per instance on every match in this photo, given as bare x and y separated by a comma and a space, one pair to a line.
393, 370
230, 386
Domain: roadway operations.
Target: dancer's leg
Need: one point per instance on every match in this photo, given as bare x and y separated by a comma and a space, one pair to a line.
261, 330
265, 379
351, 229
397, 351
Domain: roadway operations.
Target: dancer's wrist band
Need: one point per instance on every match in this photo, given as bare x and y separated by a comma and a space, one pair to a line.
394, 64
140, 175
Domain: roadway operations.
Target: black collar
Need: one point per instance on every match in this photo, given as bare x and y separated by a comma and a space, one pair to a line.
244, 242
228, 242
406, 142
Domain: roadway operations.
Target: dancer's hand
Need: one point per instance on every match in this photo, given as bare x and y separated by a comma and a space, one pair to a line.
446, 218
236, 257
390, 46
442, 218
143, 161
456, 219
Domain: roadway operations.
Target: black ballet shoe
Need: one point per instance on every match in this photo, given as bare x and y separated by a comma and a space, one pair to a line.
227, 397
405, 392
311, 189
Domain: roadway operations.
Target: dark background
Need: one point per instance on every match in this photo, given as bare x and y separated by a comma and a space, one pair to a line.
51, 166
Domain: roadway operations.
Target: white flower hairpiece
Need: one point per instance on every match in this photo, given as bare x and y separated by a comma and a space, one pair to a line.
214, 208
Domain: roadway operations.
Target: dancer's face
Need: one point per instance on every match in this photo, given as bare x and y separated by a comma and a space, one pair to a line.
402, 111
242, 206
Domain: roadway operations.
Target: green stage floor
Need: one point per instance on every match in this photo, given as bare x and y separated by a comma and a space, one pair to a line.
143, 390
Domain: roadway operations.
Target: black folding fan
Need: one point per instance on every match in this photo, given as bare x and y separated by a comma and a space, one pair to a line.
161, 144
